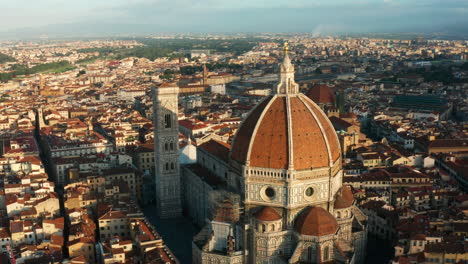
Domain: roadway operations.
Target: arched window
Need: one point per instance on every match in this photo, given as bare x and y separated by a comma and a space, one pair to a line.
166, 146
272, 228
338, 215
171, 146
167, 166
326, 253
310, 254
167, 121
263, 228
172, 165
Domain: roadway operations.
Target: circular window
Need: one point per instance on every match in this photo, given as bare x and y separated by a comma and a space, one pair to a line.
270, 192
309, 191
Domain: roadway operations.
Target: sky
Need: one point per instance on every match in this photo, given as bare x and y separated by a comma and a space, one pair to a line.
154, 16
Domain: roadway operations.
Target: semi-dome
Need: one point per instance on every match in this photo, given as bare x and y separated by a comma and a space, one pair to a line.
316, 221
267, 213
286, 132
344, 199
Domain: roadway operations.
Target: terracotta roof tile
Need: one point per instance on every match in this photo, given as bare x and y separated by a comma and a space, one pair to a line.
313, 135
321, 94
270, 143
310, 149
217, 148
345, 198
316, 221
267, 213
240, 146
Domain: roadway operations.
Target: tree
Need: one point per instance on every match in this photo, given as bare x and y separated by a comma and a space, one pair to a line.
318, 71
81, 73
5, 58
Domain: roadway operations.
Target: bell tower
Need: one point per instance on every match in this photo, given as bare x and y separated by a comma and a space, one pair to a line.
166, 150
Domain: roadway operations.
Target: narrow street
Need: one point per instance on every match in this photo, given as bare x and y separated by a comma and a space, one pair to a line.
58, 189
176, 233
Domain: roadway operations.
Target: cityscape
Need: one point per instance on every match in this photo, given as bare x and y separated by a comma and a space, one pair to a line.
234, 148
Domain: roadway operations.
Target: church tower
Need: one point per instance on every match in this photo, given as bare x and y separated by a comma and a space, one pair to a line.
205, 75
166, 149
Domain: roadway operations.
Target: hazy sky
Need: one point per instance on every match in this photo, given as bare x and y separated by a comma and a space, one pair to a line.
319, 16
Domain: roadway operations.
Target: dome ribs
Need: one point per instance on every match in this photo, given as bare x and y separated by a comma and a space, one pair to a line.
329, 131
243, 137
309, 145
286, 132
271, 149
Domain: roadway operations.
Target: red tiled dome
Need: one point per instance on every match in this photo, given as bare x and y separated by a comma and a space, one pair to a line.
345, 198
267, 213
316, 221
264, 137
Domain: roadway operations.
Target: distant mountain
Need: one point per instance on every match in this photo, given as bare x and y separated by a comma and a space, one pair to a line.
80, 30
106, 30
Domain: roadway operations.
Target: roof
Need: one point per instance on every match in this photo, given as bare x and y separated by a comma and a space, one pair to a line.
57, 240
267, 213
264, 138
217, 148
424, 102
113, 215
57, 222
448, 143
4, 233
418, 237
316, 221
78, 260
339, 124
344, 199
321, 94
167, 85
16, 226
451, 247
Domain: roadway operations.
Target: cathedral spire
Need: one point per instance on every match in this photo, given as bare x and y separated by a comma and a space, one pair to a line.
286, 85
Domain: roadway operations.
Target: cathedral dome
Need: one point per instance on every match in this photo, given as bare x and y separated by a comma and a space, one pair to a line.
344, 199
286, 132
267, 213
316, 221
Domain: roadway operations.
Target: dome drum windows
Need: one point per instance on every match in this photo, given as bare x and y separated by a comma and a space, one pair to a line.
268, 220
310, 192
268, 193
343, 214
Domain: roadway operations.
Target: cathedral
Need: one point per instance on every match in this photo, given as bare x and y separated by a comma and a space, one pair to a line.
275, 195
